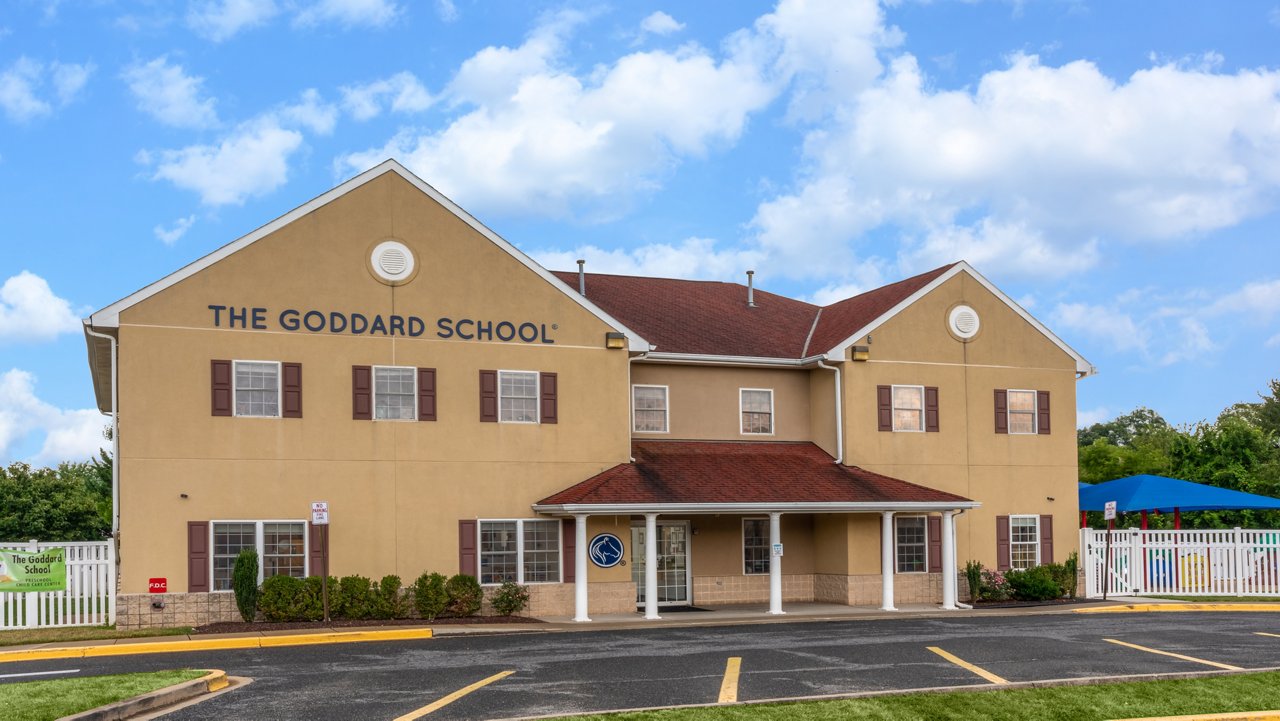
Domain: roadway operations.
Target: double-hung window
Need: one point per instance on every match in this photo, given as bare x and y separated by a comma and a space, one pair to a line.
281, 547
518, 396
908, 408
257, 389
757, 410
912, 543
395, 393
1024, 541
755, 546
1022, 411
649, 407
523, 551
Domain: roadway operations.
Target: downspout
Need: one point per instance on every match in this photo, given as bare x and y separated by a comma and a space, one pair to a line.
839, 412
115, 431
631, 400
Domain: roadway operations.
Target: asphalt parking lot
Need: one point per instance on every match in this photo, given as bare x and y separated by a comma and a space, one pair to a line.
571, 672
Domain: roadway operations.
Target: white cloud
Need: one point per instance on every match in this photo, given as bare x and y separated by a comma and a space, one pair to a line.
1105, 323
220, 20
401, 93
349, 13
446, 10
999, 248
69, 435
1273, 341
1191, 343
22, 85
251, 161
1259, 301
1084, 419
310, 112
180, 227
660, 23
691, 258
165, 91
29, 311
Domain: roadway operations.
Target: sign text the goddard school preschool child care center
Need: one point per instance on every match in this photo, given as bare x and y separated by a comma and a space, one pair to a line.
408, 326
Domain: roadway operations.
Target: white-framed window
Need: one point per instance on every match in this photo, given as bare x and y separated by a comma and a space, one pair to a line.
908, 408
1024, 541
755, 546
756, 406
395, 393
912, 544
518, 396
1022, 411
520, 550
257, 388
281, 547
649, 409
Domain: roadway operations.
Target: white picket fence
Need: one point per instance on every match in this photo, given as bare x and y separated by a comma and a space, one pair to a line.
1235, 562
89, 599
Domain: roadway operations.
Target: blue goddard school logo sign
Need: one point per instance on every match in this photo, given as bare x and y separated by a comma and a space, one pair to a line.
409, 326
605, 550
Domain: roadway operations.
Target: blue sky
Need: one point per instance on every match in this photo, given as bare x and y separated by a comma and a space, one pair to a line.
1115, 167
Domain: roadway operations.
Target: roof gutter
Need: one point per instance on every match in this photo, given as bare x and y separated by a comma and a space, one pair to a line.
115, 428
731, 360
783, 507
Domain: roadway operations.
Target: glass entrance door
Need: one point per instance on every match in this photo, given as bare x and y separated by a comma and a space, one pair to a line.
673, 563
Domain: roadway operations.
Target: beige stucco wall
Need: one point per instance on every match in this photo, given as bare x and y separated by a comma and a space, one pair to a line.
703, 401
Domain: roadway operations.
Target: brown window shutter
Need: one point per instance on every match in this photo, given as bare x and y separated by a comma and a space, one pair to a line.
1002, 411
291, 387
935, 544
1042, 412
221, 385
884, 407
317, 549
362, 393
1002, 543
931, 409
197, 556
426, 394
467, 548
1046, 539
547, 388
568, 549
488, 396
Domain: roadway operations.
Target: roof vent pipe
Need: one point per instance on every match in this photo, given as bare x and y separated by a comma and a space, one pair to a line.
582, 278
751, 290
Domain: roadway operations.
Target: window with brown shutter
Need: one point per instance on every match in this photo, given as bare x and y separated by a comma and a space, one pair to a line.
291, 389
1002, 543
220, 382
198, 556
1042, 412
884, 407
317, 549
547, 409
935, 544
362, 393
426, 394
488, 396
467, 548
931, 409
569, 543
1046, 539
1002, 411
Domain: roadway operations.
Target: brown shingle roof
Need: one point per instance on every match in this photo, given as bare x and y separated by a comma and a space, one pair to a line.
669, 472
713, 318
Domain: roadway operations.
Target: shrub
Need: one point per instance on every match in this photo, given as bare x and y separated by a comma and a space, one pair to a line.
244, 581
1073, 574
310, 604
1033, 584
995, 586
386, 599
429, 595
973, 573
279, 599
510, 597
354, 598
464, 595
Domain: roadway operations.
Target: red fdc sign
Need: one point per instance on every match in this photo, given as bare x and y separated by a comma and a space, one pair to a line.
158, 585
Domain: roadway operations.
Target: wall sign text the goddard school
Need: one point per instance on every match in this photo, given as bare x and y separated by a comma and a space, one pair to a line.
409, 326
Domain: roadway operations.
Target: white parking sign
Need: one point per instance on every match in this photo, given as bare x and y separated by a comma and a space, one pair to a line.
1109, 511
319, 513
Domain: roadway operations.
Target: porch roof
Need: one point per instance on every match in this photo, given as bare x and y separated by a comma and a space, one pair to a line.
727, 477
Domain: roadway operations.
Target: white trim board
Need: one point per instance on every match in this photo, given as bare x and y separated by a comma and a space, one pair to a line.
109, 317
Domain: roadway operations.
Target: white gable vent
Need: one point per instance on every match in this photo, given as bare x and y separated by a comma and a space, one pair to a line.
964, 322
392, 261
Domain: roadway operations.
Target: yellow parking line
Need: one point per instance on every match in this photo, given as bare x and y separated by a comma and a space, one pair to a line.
1264, 633
437, 705
1174, 655
729, 686
968, 666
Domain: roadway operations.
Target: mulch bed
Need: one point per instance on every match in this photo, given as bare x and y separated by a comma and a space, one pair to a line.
1027, 604
242, 627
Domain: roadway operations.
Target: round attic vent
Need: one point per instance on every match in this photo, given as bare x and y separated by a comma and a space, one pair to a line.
964, 322
392, 261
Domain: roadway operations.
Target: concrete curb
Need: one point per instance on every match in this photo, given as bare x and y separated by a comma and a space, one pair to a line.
213, 644
168, 696
1234, 716
1184, 608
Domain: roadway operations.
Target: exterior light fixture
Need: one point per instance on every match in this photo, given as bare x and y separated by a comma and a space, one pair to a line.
860, 353
615, 341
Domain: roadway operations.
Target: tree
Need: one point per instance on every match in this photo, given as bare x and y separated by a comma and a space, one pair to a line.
1122, 431
51, 504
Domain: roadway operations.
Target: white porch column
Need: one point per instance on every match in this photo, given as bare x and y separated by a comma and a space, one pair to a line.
775, 565
651, 566
886, 561
580, 569
948, 560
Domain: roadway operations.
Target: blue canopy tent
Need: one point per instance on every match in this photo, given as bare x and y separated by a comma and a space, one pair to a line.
1158, 493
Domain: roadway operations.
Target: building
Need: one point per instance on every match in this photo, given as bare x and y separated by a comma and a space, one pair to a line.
610, 441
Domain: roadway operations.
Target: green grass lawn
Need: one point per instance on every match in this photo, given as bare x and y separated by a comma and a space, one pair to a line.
48, 700
1222, 599
81, 633
1245, 692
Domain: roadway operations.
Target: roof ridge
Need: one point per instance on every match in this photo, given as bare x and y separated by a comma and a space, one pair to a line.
804, 352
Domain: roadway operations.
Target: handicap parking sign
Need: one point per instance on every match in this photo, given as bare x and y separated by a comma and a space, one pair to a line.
605, 550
